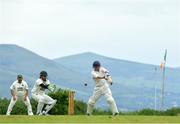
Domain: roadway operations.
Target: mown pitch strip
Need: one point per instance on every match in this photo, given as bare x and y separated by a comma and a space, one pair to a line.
91, 119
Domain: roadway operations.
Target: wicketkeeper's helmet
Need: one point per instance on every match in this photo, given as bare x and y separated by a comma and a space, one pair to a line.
96, 64
43, 73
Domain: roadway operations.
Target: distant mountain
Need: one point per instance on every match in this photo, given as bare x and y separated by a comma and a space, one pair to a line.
134, 83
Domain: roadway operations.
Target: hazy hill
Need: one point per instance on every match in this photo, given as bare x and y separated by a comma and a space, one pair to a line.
133, 82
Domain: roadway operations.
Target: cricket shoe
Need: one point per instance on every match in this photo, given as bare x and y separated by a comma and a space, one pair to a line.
116, 114
45, 114
40, 114
31, 114
88, 114
8, 114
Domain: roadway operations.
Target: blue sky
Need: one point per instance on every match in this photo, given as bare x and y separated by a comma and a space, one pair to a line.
137, 30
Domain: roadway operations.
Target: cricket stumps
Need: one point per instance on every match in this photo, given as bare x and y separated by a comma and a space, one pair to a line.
71, 102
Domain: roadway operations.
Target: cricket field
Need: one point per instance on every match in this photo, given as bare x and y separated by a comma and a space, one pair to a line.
92, 119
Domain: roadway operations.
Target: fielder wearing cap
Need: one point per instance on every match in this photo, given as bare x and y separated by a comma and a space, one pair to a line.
19, 91
102, 81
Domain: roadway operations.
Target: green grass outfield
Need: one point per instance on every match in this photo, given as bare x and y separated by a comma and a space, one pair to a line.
91, 119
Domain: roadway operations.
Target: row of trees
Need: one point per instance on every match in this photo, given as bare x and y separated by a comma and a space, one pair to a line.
61, 108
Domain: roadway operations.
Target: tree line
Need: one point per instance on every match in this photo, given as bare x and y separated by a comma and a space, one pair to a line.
61, 108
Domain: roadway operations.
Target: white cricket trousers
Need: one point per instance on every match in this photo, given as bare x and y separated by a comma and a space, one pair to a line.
43, 99
27, 103
98, 92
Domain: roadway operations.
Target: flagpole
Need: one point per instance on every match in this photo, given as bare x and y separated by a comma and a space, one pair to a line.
155, 99
163, 81
155, 93
163, 84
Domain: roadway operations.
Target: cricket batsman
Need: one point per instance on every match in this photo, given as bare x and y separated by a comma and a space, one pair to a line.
19, 91
38, 94
102, 81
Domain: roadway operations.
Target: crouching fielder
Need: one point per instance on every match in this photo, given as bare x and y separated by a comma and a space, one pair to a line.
38, 94
19, 91
102, 80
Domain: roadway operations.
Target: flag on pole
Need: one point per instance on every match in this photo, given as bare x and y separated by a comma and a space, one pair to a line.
163, 81
163, 63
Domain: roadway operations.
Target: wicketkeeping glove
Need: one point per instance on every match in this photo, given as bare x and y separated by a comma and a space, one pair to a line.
52, 87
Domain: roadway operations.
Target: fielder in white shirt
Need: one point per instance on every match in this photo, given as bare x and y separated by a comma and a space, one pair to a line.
19, 91
38, 94
102, 81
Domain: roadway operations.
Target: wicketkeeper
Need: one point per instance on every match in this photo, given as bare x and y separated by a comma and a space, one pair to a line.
102, 81
38, 94
19, 91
